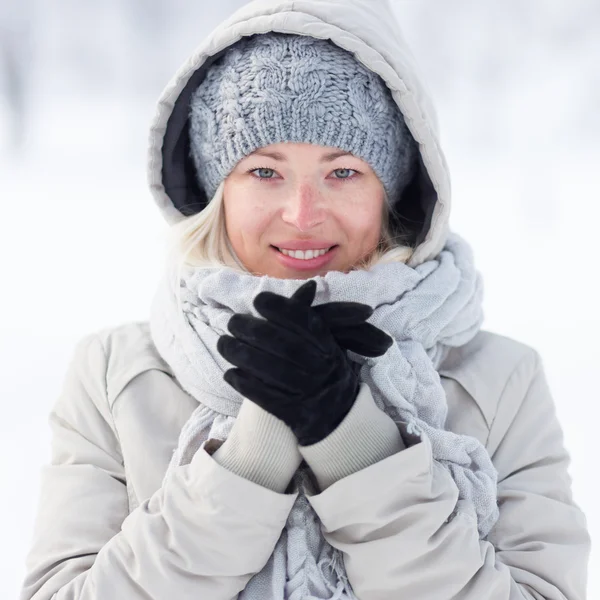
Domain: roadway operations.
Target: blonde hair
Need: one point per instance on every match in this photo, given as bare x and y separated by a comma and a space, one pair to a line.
201, 241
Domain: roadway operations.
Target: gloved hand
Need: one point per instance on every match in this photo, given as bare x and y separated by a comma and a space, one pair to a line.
294, 364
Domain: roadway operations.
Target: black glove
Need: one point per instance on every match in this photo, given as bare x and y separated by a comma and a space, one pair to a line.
294, 364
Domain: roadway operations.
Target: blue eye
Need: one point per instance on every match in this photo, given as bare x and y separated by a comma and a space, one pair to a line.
262, 169
345, 178
349, 178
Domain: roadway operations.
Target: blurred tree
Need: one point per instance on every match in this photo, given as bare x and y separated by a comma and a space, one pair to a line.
16, 57
162, 34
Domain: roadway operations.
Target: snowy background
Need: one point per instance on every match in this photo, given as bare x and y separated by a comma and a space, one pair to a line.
517, 88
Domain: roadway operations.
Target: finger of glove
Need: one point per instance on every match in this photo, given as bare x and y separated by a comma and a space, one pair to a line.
295, 316
268, 398
275, 339
341, 314
364, 339
305, 294
270, 369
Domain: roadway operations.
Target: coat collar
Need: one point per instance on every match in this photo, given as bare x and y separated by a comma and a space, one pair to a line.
482, 367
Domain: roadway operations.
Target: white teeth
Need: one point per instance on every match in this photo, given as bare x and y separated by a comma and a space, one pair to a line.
304, 255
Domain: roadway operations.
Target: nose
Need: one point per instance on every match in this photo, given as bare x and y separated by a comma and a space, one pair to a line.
304, 208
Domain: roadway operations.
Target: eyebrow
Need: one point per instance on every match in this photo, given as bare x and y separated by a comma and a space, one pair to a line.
278, 156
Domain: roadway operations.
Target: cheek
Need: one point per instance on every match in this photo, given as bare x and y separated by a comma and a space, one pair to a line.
246, 217
365, 220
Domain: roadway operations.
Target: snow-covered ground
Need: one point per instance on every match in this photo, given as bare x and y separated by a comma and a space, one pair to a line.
517, 89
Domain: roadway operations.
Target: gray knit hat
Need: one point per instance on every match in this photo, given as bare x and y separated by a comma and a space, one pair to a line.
276, 87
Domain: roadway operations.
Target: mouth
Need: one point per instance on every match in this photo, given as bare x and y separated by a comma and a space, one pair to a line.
305, 264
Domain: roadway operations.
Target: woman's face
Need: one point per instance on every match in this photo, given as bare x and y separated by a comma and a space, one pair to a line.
302, 193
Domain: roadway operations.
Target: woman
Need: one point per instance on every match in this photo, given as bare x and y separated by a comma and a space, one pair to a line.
258, 438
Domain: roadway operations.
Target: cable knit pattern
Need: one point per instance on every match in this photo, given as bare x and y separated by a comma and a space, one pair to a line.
273, 88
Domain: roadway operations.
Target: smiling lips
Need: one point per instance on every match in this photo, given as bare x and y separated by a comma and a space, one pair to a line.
304, 254
306, 263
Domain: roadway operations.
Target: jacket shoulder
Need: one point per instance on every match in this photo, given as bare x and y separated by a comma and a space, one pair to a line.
484, 366
129, 351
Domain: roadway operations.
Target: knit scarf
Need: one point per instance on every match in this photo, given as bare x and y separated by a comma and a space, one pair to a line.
427, 309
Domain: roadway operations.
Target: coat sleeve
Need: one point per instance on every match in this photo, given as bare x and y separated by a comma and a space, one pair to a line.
392, 520
203, 534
